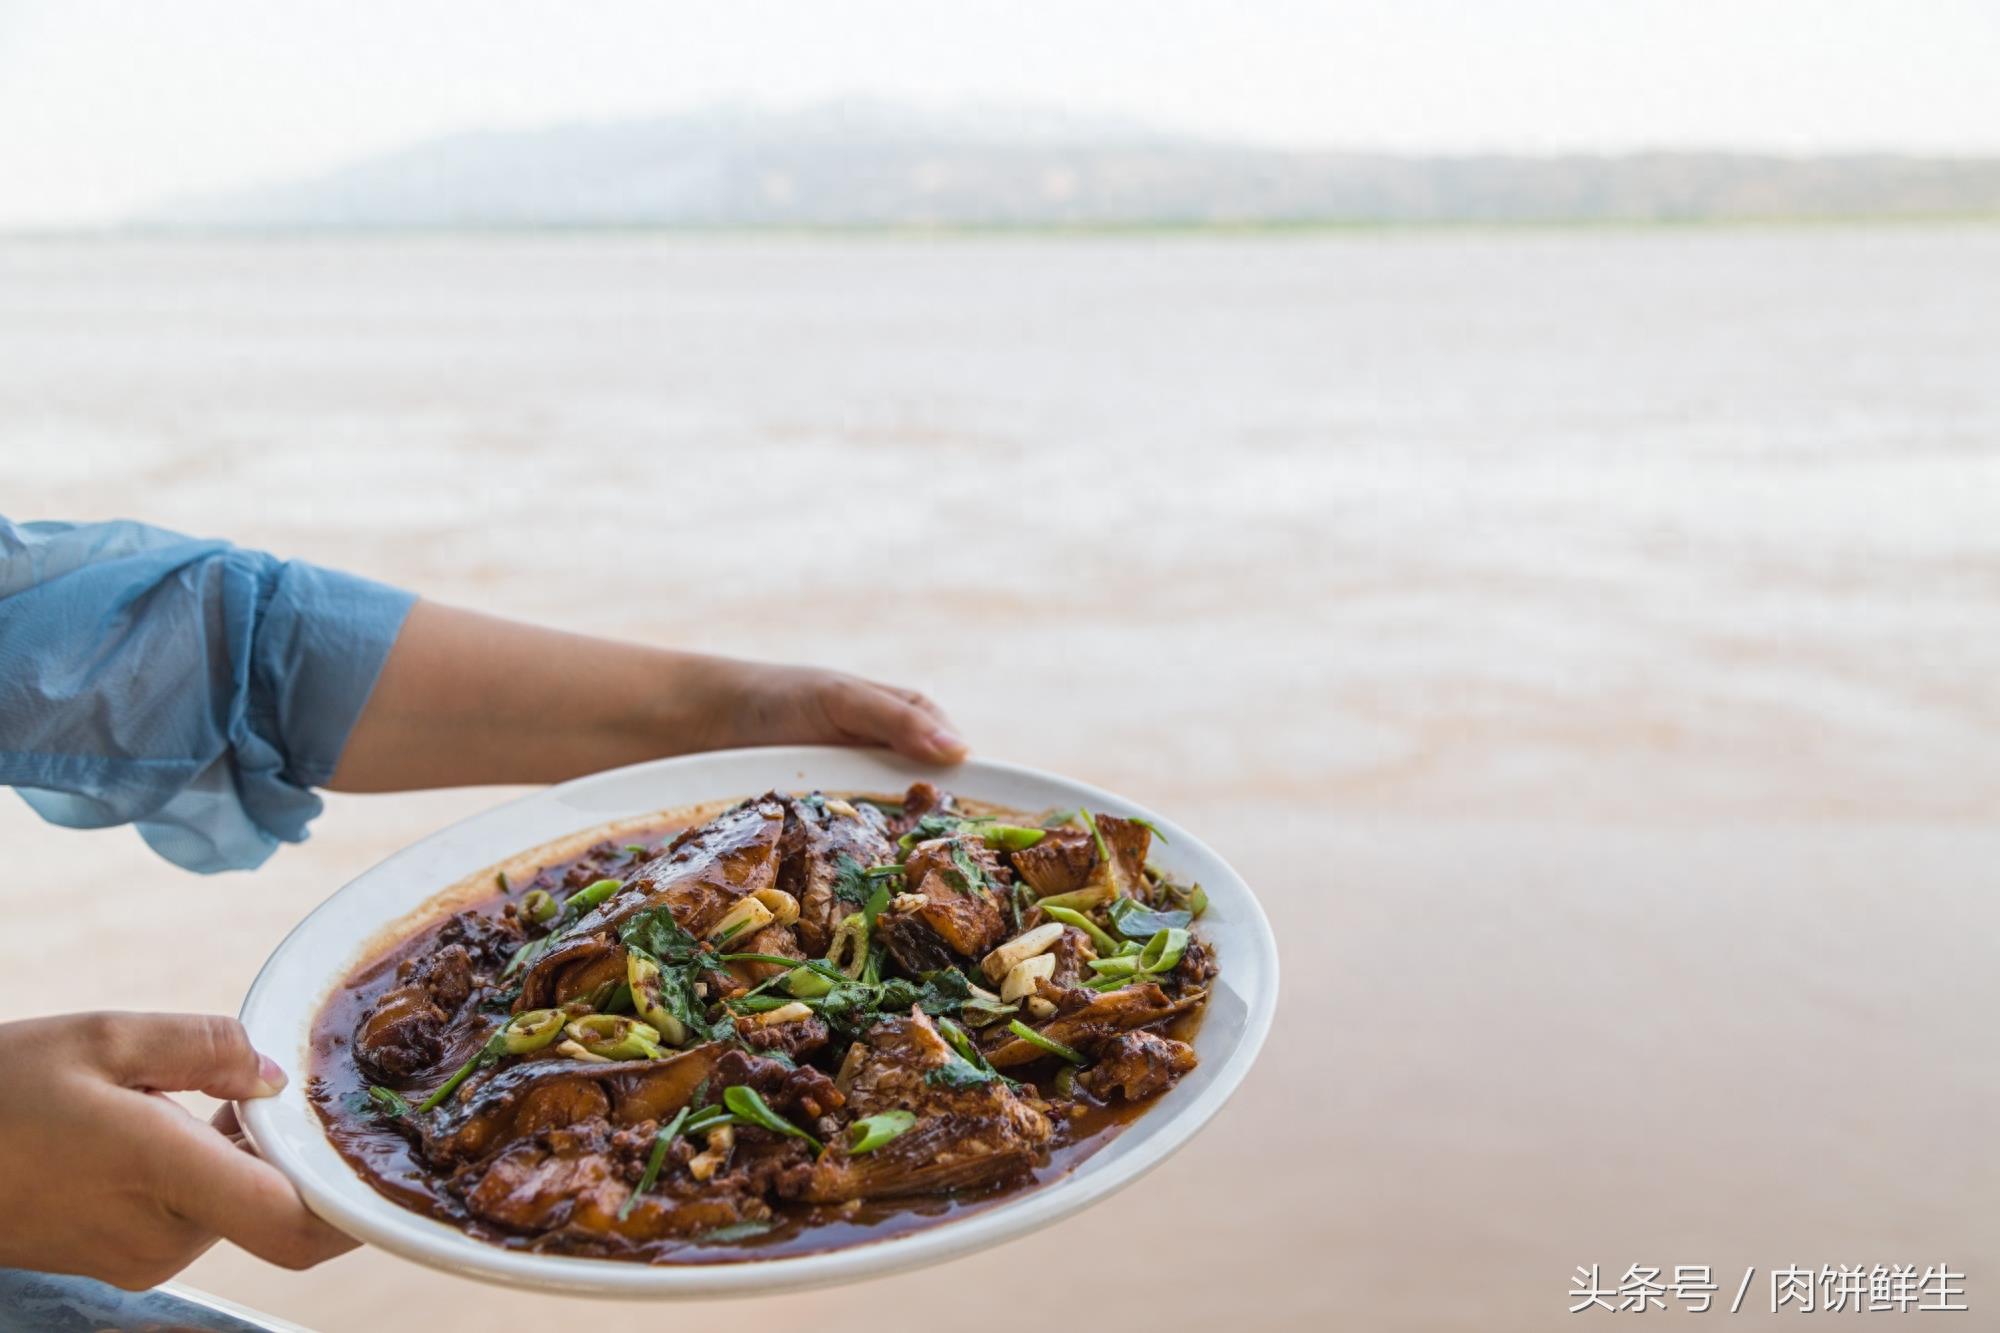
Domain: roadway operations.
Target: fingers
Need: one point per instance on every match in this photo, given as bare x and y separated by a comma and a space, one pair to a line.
906, 722
245, 1200
182, 1053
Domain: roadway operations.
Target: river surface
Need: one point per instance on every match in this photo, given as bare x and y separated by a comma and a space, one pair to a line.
1587, 643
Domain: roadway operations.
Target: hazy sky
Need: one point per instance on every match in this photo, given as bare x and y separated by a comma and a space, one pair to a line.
106, 105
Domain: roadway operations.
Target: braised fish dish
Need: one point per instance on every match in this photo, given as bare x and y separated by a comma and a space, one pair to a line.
805, 1021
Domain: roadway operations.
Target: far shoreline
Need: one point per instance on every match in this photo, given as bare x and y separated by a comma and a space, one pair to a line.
1305, 229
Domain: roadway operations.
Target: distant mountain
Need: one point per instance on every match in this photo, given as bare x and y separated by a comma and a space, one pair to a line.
862, 164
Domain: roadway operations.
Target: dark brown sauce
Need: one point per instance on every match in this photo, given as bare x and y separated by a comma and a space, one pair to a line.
389, 1163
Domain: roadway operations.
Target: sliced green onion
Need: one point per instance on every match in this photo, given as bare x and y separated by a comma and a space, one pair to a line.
1163, 951
849, 948
1150, 827
616, 1037
1012, 837
759, 1004
1079, 899
1118, 965
590, 895
707, 1118
871, 1132
389, 1100
532, 1030
501, 879
1090, 822
636, 850
808, 983
540, 906
494, 1048
806, 978
1198, 900
649, 998
1069, 916
735, 1231
661, 1142
1058, 818
777, 958
525, 955
745, 1102
1049, 1044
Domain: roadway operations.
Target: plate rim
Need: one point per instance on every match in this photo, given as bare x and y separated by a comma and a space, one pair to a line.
410, 1235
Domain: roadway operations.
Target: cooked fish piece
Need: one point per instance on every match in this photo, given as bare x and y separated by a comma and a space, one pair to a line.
1067, 859
963, 1136
1059, 863
698, 878
517, 1101
1137, 1065
956, 904
826, 837
572, 1181
1106, 1016
403, 1033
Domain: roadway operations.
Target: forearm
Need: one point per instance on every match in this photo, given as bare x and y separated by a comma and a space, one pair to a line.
467, 699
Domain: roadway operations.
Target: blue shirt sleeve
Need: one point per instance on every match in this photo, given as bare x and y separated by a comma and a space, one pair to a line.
195, 689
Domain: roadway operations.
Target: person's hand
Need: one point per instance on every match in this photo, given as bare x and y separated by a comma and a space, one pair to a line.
758, 703
103, 1175
466, 698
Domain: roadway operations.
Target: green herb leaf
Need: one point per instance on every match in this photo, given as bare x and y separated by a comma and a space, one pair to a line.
871, 1132
969, 1067
388, 1101
850, 880
936, 824
655, 934
965, 876
746, 1103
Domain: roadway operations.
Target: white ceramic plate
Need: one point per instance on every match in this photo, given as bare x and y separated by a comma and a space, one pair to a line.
318, 954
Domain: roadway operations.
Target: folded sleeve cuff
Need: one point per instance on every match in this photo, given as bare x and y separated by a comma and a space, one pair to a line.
320, 647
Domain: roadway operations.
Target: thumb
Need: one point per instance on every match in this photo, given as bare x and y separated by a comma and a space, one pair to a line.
184, 1053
